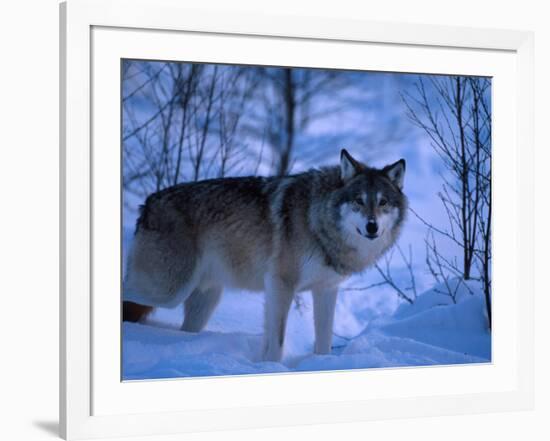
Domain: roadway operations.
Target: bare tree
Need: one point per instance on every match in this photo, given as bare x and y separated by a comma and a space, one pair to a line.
237, 89
444, 121
481, 128
186, 86
180, 122
202, 120
287, 97
455, 114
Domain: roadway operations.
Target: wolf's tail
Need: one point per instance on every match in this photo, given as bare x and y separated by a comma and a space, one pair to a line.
134, 312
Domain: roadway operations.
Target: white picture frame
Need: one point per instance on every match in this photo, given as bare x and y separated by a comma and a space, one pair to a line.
93, 402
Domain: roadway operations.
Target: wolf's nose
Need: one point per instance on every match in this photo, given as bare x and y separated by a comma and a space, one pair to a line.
372, 227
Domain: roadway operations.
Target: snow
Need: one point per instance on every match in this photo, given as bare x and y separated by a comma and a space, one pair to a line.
432, 331
150, 352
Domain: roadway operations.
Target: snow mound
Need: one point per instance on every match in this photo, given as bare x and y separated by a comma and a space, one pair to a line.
373, 350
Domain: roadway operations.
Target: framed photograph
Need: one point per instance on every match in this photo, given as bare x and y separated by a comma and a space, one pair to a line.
280, 220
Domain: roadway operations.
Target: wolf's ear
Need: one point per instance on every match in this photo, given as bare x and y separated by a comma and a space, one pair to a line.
396, 172
348, 166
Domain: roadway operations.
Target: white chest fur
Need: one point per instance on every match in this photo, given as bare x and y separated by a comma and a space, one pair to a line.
315, 273
369, 251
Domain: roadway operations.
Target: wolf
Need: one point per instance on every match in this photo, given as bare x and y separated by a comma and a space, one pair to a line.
280, 235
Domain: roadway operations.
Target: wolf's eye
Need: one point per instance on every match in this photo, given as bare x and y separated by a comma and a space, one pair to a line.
383, 202
359, 201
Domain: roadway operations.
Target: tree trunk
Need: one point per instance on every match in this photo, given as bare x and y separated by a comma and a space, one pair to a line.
290, 104
465, 213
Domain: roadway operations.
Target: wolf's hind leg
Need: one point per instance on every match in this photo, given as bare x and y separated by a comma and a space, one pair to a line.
277, 304
324, 303
199, 308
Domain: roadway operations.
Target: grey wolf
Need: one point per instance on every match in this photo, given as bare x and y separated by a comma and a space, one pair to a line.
280, 235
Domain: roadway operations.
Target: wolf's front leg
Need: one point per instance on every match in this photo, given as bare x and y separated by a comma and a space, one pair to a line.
324, 303
278, 297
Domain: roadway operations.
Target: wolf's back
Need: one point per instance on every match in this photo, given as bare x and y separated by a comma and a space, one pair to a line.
204, 202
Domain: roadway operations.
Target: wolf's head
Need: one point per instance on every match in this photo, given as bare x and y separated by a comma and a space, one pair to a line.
372, 203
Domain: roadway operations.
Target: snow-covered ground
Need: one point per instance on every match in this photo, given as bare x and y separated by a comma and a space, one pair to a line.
432, 331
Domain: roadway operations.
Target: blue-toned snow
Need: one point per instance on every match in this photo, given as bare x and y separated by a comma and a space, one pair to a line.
432, 331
